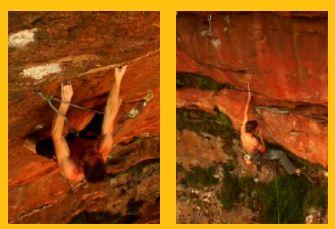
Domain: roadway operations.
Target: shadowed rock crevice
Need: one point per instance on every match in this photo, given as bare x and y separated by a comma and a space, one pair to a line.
201, 82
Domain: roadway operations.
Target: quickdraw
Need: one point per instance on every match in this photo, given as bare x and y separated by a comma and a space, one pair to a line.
136, 110
209, 19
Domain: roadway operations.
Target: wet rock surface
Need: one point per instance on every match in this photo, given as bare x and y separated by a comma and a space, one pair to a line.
84, 48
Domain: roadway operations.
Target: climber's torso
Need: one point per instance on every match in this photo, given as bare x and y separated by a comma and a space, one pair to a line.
78, 146
251, 144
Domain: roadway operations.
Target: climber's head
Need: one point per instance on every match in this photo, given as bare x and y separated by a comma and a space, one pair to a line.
251, 126
94, 167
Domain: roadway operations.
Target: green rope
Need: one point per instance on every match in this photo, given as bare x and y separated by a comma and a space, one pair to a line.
275, 172
274, 165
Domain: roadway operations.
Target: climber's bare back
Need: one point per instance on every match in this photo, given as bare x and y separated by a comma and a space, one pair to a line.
250, 143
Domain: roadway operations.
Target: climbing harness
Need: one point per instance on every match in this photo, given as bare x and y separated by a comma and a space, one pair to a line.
131, 114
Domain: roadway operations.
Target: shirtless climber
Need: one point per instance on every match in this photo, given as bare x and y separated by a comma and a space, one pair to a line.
90, 163
255, 146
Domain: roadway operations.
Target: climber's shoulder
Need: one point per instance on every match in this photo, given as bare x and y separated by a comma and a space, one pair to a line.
76, 177
249, 142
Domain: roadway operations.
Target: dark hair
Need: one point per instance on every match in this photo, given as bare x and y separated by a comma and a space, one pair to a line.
251, 125
94, 171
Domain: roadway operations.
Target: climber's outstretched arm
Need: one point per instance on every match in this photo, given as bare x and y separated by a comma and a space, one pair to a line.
111, 110
246, 111
67, 166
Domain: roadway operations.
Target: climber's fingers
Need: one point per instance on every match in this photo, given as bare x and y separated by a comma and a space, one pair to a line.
67, 88
119, 71
66, 92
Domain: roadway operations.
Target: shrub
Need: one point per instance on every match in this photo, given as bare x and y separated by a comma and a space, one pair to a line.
199, 177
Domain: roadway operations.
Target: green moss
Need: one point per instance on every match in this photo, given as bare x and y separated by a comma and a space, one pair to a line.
199, 81
229, 165
199, 177
296, 195
229, 191
247, 186
316, 197
232, 186
217, 124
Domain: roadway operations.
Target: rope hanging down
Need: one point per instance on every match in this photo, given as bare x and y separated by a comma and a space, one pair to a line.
274, 166
275, 172
249, 91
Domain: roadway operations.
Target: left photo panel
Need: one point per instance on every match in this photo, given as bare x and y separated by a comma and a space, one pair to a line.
83, 117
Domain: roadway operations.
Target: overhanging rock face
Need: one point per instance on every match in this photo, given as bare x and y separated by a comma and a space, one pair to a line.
285, 55
47, 48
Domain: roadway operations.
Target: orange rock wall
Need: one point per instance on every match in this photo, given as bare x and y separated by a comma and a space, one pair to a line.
285, 56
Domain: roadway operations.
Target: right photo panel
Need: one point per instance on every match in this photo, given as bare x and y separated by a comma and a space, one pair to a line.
252, 117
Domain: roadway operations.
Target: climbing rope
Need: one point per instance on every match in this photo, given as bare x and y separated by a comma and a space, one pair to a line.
50, 98
274, 166
131, 114
249, 91
275, 172
71, 130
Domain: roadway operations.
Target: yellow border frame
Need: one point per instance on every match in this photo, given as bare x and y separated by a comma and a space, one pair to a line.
168, 67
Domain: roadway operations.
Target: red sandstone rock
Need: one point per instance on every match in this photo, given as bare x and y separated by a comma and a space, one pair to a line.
195, 150
285, 54
305, 136
84, 48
